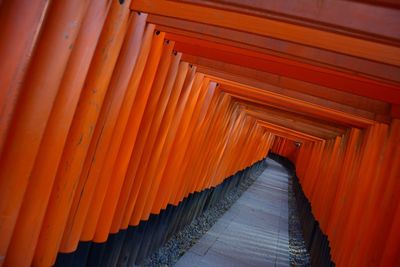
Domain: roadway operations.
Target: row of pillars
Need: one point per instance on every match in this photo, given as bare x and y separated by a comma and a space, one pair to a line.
353, 185
102, 125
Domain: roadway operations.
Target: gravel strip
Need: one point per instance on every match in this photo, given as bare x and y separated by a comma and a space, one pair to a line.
182, 241
299, 256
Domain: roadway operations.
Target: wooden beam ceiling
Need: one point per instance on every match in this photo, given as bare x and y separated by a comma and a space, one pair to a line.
294, 67
349, 17
292, 124
315, 56
335, 99
344, 44
290, 104
327, 126
288, 133
282, 67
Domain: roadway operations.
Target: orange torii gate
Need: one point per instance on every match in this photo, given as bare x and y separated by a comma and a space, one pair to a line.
114, 114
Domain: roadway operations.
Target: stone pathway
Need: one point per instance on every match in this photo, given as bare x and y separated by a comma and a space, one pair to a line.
253, 232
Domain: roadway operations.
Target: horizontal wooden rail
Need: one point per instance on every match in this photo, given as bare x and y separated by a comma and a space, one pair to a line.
273, 28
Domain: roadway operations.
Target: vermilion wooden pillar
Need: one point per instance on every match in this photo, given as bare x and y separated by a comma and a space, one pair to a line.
113, 193
42, 177
117, 175
124, 203
103, 133
28, 124
170, 179
80, 134
170, 121
177, 85
18, 40
174, 134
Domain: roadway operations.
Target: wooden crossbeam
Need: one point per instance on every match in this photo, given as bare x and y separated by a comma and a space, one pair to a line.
267, 63
306, 54
324, 96
279, 101
277, 29
282, 119
337, 16
288, 133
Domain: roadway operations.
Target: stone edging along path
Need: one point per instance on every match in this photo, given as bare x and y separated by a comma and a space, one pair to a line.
183, 240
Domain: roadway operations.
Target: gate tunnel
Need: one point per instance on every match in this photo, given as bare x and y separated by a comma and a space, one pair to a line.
118, 116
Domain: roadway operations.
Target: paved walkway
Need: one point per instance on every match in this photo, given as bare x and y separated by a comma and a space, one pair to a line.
253, 232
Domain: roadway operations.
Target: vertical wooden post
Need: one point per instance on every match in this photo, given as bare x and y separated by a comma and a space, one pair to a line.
116, 172
102, 136
42, 177
162, 60
39, 91
18, 40
148, 127
81, 132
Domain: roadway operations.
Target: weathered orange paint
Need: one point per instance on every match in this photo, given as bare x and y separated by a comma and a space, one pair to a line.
18, 40
121, 153
81, 133
39, 90
42, 176
114, 188
102, 135
274, 28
